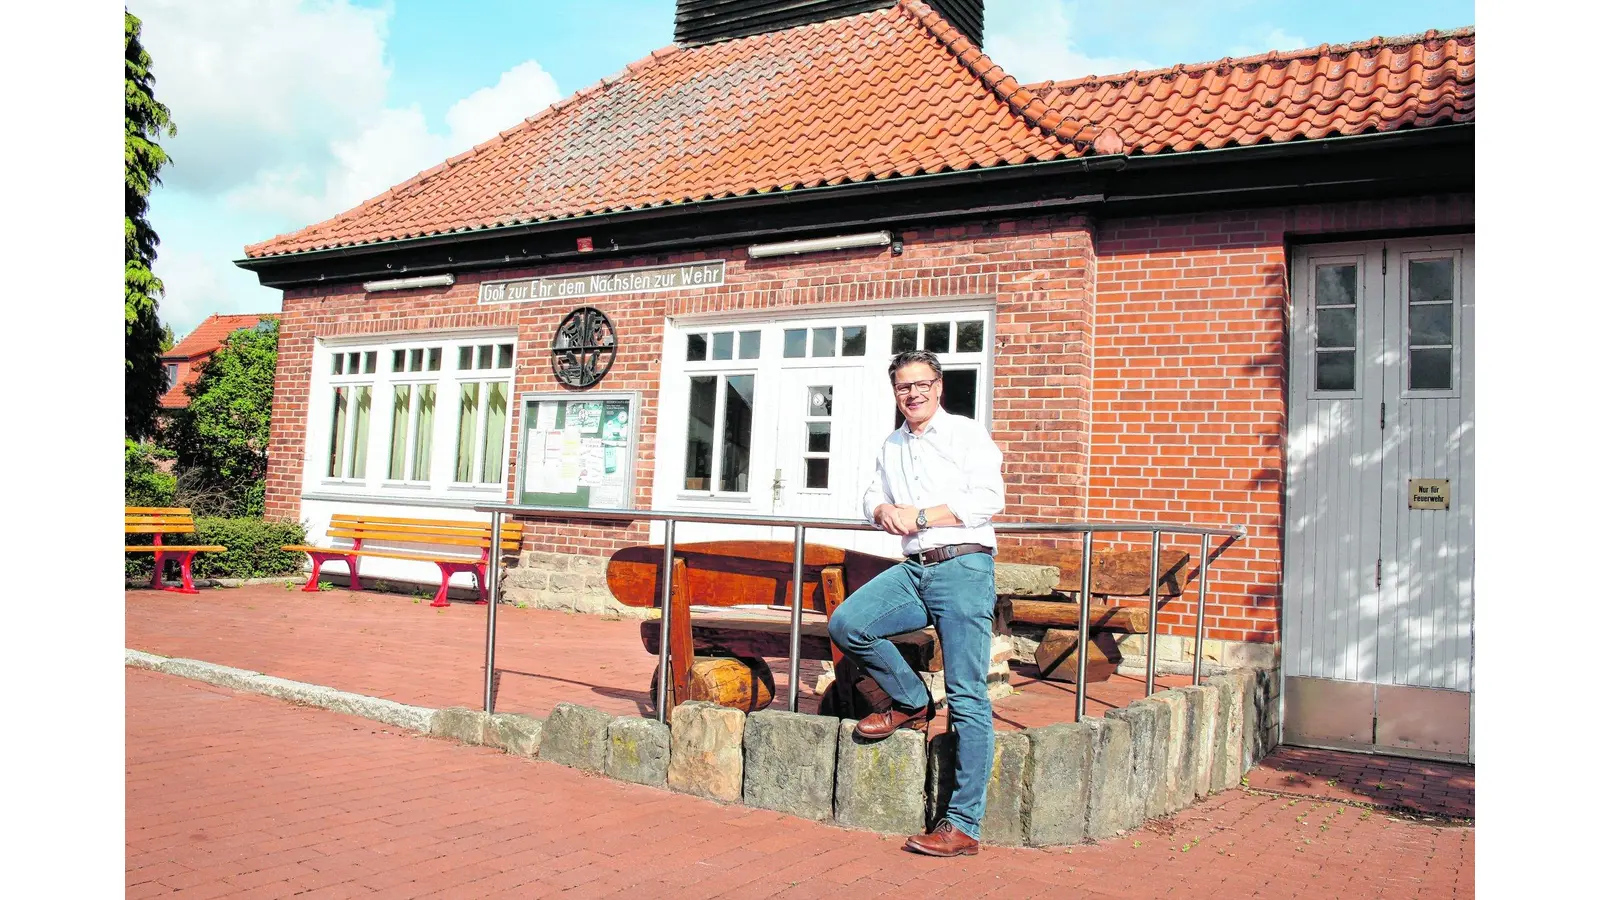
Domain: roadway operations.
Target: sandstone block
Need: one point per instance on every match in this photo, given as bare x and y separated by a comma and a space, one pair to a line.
514, 733
880, 785
1149, 726
575, 736
637, 750
459, 723
1112, 805
1201, 732
1226, 736
1180, 784
1009, 801
1062, 756
1021, 580
789, 763
707, 751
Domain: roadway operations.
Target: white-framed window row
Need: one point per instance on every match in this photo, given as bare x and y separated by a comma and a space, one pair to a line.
1431, 297
1338, 309
726, 375
415, 414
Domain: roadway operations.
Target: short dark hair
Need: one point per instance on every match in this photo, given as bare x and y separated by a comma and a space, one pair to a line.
912, 357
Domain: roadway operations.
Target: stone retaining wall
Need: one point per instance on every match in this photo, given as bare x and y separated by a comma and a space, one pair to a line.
1059, 784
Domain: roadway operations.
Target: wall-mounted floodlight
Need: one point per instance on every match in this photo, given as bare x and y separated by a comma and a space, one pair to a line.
817, 245
406, 284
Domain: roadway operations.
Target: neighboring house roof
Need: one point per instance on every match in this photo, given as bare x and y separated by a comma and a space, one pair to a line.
1382, 84
882, 94
204, 340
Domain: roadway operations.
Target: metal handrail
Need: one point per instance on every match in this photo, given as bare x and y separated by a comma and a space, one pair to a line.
497, 511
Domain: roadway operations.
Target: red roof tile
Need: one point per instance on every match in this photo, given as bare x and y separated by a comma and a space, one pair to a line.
893, 92
888, 93
200, 343
1378, 85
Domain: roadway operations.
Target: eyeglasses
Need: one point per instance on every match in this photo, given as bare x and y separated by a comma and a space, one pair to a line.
922, 387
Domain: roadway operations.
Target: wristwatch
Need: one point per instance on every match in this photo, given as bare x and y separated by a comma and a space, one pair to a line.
922, 519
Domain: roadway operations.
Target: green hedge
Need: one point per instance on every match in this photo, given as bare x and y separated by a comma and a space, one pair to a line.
252, 549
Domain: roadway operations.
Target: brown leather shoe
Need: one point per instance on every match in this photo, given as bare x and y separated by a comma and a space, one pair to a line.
880, 725
944, 840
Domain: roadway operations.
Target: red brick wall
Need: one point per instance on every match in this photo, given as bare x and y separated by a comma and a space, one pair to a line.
1040, 272
1190, 402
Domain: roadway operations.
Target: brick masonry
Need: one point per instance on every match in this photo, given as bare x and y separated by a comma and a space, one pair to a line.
1139, 364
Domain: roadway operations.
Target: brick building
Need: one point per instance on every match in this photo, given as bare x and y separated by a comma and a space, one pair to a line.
180, 366
1237, 292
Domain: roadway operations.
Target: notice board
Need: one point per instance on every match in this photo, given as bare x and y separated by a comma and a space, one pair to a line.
578, 450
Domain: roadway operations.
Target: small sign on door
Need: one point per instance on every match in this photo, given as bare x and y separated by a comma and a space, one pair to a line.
1429, 493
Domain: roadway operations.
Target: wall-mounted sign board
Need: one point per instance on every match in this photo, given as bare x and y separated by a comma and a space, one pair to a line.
581, 285
578, 450
1428, 493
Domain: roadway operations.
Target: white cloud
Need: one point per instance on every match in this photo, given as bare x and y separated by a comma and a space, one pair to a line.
280, 105
1264, 40
193, 289
394, 145
1033, 40
253, 83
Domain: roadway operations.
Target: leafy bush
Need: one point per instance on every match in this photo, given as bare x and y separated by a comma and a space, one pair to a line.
142, 483
253, 549
221, 436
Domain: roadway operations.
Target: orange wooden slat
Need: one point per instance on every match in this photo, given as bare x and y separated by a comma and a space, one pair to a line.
172, 548
158, 529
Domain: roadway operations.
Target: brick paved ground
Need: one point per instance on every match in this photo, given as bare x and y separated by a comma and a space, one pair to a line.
397, 647
1437, 789
239, 795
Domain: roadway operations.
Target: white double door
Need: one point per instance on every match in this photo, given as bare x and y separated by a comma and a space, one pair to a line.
1378, 563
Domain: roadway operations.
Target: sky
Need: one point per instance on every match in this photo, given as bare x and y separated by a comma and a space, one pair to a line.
292, 111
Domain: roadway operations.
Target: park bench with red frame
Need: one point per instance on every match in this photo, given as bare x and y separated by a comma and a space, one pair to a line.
157, 521
363, 532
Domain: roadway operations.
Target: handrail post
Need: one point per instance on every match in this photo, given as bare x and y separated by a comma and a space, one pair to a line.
492, 572
1150, 639
1200, 610
794, 617
1083, 624
662, 674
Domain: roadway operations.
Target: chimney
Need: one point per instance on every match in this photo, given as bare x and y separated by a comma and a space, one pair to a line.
708, 21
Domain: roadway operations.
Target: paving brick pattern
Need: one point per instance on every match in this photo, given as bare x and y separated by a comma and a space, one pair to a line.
1431, 788
398, 648
237, 795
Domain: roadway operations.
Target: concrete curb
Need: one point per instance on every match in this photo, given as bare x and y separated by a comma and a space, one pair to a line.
400, 715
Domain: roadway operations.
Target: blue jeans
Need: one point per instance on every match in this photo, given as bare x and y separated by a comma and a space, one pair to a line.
957, 597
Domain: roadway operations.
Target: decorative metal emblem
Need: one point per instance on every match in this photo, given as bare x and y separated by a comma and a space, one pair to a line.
584, 347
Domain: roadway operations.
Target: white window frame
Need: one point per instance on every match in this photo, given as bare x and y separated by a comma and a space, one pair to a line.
1361, 305
483, 377
1403, 302
439, 484
672, 438
718, 425
416, 379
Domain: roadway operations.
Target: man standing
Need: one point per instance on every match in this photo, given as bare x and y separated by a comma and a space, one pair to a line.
937, 485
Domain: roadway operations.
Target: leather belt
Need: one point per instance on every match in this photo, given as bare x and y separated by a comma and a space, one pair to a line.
949, 551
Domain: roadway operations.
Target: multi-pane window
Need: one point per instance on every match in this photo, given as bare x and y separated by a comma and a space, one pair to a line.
412, 414
1335, 295
1430, 323
818, 435
721, 416
961, 345
407, 404
722, 345
826, 341
352, 413
484, 377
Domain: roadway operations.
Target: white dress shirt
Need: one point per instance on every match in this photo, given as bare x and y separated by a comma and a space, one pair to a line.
952, 463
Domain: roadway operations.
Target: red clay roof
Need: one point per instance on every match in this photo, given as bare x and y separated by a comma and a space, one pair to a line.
1378, 85
881, 94
200, 343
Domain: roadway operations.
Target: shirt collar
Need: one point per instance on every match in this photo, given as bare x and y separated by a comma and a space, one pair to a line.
939, 417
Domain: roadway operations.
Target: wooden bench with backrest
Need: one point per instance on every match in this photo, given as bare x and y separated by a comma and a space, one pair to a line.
157, 521
1119, 592
733, 642
394, 538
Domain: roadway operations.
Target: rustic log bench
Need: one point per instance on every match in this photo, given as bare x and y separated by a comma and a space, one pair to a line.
1119, 592
363, 531
733, 642
161, 520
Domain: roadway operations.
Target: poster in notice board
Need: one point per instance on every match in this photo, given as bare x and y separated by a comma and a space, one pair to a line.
578, 450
